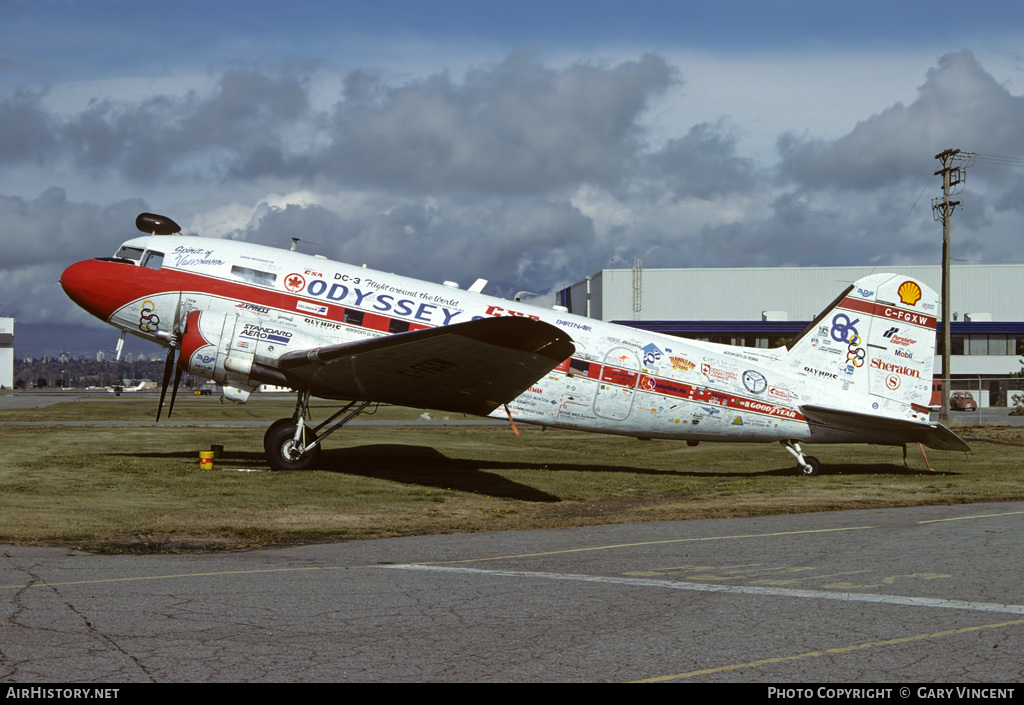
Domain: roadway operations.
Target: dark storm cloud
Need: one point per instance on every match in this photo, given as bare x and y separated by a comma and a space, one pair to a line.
801, 232
959, 105
245, 118
52, 227
702, 165
44, 235
520, 243
513, 127
516, 127
27, 129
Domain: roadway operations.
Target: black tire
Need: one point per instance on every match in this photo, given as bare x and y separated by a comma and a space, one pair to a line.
814, 463
274, 427
280, 449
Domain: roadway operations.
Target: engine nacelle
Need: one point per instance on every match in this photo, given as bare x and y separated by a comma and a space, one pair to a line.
237, 350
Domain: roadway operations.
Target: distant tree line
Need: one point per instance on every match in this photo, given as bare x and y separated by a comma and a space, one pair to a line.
81, 373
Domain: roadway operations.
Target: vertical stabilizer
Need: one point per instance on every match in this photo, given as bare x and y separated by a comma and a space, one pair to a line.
873, 348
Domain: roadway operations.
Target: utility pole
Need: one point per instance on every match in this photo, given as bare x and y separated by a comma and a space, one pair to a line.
952, 176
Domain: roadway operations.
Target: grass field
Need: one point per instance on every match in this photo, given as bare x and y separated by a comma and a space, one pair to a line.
139, 488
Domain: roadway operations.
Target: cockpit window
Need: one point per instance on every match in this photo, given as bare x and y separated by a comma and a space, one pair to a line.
153, 260
132, 253
254, 276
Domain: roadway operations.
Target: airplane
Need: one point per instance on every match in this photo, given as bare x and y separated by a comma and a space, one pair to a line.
242, 314
119, 388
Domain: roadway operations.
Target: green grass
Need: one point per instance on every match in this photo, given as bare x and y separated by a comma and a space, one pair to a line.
140, 487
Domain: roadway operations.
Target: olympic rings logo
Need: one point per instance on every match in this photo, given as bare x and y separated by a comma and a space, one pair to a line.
148, 320
855, 355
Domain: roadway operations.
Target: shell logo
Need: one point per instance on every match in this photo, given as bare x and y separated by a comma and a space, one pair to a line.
910, 293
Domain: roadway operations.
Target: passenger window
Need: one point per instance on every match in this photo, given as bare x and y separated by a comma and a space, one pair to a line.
153, 260
254, 276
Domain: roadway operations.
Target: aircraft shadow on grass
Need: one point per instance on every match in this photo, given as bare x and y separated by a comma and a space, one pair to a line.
427, 467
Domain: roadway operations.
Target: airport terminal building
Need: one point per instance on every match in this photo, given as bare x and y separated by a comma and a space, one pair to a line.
766, 307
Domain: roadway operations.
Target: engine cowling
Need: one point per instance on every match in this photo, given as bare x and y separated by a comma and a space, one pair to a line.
237, 350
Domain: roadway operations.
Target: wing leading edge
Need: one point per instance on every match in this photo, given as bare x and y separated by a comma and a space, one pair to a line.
887, 431
471, 367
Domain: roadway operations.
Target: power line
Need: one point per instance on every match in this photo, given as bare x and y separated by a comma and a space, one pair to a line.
997, 159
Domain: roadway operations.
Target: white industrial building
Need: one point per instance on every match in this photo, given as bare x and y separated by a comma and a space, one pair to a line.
760, 307
6, 352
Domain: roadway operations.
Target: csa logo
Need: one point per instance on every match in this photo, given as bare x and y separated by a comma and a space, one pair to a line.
910, 293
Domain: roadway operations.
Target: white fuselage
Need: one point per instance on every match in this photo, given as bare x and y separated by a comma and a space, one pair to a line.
620, 380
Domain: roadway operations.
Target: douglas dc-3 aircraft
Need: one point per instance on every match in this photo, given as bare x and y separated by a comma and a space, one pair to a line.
243, 314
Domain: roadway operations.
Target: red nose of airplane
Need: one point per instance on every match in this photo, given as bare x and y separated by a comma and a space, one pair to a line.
90, 285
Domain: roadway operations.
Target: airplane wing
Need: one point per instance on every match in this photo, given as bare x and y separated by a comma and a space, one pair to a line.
887, 430
471, 367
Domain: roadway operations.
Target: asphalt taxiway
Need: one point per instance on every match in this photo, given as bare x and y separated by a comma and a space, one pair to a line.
928, 594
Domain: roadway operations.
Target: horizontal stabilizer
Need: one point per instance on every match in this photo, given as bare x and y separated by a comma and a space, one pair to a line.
887, 431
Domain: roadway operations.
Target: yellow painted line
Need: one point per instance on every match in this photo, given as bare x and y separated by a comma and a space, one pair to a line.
826, 652
976, 516
173, 576
692, 540
817, 576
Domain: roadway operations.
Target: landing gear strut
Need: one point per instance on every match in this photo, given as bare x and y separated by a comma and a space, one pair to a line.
808, 465
290, 444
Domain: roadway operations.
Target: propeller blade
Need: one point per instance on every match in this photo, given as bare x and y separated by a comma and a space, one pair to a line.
174, 389
167, 380
175, 340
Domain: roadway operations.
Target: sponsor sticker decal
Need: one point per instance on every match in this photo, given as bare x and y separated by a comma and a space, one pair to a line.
681, 364
892, 367
754, 381
843, 328
910, 293
273, 335
651, 354
309, 307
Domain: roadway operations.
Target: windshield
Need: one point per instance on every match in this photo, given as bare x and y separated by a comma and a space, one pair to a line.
130, 253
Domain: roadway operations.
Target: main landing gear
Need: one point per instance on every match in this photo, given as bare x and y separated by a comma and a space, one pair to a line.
808, 465
290, 444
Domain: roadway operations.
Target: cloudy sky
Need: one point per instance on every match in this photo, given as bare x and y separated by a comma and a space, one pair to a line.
526, 142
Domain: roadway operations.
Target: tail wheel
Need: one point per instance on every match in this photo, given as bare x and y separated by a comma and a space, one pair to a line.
283, 453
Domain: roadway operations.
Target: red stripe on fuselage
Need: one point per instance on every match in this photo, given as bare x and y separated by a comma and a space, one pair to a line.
888, 311
700, 394
102, 287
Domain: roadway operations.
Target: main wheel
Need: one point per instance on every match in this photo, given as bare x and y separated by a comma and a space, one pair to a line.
274, 427
814, 463
284, 454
